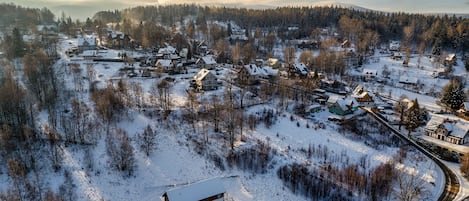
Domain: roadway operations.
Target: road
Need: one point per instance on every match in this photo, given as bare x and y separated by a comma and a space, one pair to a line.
452, 183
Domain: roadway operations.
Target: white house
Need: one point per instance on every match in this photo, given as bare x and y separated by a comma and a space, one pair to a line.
370, 74
164, 64
207, 62
205, 80
86, 43
300, 69
207, 190
394, 45
449, 129
251, 73
408, 80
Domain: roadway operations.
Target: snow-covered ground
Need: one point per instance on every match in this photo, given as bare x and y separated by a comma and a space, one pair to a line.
174, 162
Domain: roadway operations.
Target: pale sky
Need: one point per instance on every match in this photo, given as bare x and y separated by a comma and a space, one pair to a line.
86, 8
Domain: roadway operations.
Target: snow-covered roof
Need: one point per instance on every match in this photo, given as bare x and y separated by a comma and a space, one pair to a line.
272, 61
168, 50
87, 40
370, 72
394, 45
265, 71
201, 74
163, 62
455, 126
252, 69
196, 191
270, 71
207, 60
333, 99
301, 68
408, 80
466, 106
346, 104
450, 57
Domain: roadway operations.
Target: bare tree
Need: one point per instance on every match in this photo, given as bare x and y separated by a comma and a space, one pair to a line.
400, 108
147, 140
289, 55
120, 151
411, 187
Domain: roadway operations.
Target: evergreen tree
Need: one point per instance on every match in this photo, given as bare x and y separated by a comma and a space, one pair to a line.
413, 117
453, 94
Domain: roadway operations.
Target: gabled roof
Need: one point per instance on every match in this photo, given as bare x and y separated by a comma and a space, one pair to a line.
373, 72
163, 62
196, 191
207, 60
450, 57
254, 70
201, 74
168, 50
455, 126
272, 61
91, 41
466, 106
408, 80
301, 68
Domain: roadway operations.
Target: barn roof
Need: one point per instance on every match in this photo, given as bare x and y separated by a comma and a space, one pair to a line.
196, 191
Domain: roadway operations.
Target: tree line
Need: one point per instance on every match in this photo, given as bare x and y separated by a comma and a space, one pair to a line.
433, 31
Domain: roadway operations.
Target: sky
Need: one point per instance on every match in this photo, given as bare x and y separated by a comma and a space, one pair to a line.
86, 8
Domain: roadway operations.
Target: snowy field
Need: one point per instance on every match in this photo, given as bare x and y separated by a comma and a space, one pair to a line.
174, 162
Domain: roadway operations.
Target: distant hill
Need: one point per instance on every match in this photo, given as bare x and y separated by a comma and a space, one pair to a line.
339, 5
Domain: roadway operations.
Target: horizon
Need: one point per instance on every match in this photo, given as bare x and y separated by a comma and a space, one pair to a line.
81, 9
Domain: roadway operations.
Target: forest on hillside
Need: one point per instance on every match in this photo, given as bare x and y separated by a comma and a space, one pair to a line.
430, 31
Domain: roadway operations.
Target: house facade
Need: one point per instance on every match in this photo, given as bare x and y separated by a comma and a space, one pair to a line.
205, 80
341, 106
251, 73
86, 43
207, 62
452, 130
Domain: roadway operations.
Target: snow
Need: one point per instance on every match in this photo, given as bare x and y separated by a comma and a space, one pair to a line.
88, 40
196, 191
208, 60
174, 162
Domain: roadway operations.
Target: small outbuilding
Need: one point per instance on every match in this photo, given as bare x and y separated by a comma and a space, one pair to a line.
207, 190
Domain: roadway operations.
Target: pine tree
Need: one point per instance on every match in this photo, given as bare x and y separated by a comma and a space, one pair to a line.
413, 116
453, 94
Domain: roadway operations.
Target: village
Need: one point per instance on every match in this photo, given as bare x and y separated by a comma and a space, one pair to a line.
201, 108
340, 99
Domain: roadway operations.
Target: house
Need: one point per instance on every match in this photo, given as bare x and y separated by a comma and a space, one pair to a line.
207, 62
394, 46
118, 40
370, 74
313, 109
164, 65
408, 80
208, 190
452, 130
363, 98
341, 106
273, 62
251, 73
205, 80
299, 69
450, 60
86, 43
464, 109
